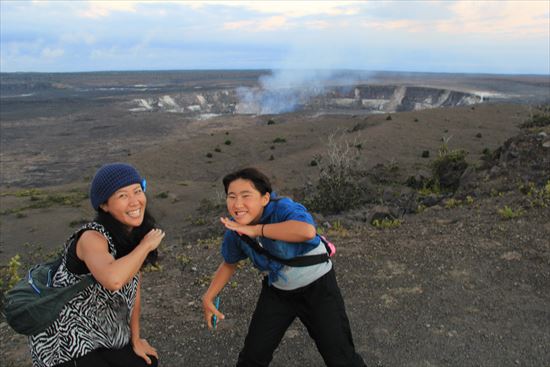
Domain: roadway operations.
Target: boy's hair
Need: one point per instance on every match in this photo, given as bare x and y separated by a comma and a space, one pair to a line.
258, 179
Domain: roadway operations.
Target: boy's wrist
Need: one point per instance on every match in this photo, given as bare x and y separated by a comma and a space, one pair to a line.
260, 230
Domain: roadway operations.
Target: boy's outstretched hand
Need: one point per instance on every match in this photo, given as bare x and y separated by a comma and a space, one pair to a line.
210, 310
253, 230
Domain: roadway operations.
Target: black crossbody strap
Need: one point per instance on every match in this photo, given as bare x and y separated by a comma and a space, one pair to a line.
299, 261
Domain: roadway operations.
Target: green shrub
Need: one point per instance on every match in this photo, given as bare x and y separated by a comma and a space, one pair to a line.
452, 203
338, 188
227, 142
509, 213
537, 120
279, 140
448, 168
9, 276
39, 199
537, 197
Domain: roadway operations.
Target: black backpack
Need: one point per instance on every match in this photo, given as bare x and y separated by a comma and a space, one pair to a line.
33, 303
299, 261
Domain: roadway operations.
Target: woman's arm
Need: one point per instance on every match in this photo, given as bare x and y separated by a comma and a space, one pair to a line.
141, 346
136, 312
221, 277
93, 249
288, 231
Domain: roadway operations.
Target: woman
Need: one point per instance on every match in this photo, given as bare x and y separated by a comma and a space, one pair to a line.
285, 230
100, 326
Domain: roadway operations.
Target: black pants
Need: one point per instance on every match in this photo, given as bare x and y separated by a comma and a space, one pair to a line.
103, 357
318, 305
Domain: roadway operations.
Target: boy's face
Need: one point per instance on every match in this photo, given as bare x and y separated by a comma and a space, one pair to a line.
244, 202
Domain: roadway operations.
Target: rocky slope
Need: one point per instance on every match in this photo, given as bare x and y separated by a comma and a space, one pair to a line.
452, 275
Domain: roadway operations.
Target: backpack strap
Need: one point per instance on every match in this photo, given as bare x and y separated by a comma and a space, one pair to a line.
299, 261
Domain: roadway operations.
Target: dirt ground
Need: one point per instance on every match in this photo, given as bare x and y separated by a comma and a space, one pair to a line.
450, 286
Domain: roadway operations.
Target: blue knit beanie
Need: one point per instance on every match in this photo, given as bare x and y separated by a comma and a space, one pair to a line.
109, 179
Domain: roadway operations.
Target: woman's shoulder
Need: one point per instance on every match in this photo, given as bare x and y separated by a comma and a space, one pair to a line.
92, 234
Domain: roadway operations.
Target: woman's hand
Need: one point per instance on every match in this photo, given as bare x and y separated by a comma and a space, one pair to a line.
249, 230
152, 239
210, 310
144, 350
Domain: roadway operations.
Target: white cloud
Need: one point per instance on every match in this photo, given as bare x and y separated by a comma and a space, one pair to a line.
516, 18
99, 9
293, 9
498, 19
52, 53
275, 23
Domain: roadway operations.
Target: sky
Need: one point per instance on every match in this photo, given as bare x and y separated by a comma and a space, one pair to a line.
499, 37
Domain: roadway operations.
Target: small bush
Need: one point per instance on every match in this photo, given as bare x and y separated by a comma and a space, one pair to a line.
338, 188
279, 140
29, 192
386, 223
448, 168
452, 203
538, 120
388, 118
162, 195
313, 163
208, 155
537, 197
425, 154
9, 276
270, 122
217, 150
509, 213
40, 199
271, 157
227, 142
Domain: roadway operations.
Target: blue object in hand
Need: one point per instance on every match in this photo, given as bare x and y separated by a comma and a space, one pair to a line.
217, 305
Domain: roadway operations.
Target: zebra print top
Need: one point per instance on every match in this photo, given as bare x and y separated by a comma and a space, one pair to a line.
94, 318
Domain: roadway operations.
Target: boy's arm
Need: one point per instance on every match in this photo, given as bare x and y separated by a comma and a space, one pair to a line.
221, 277
288, 231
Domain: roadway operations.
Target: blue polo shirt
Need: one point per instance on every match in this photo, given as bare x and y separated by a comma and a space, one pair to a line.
276, 211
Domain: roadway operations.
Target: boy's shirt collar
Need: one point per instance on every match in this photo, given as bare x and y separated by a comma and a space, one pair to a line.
269, 208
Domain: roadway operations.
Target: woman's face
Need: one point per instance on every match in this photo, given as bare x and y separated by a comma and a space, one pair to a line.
244, 202
127, 205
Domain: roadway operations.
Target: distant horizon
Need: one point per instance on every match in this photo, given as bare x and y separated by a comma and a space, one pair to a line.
270, 70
